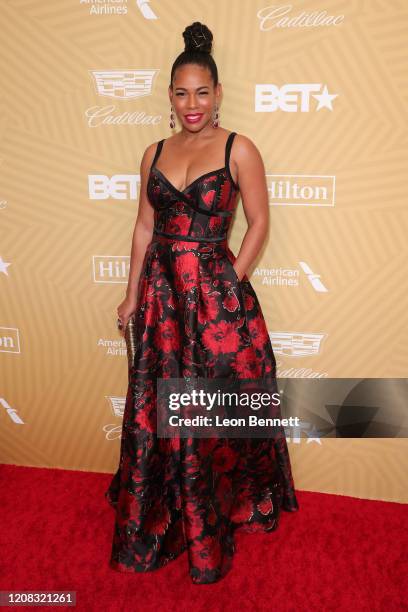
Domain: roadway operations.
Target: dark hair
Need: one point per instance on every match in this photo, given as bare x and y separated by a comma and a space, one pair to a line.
197, 50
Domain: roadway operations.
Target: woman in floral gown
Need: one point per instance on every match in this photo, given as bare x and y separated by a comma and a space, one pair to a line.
196, 315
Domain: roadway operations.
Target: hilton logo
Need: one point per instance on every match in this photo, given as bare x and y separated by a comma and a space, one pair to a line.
9, 340
301, 190
110, 268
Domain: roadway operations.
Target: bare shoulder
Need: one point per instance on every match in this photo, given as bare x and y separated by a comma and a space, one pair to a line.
150, 151
244, 148
246, 158
148, 155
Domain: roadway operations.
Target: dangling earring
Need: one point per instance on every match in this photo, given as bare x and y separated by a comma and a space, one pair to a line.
215, 117
172, 121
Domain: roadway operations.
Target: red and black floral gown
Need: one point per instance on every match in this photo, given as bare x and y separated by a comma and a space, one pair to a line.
194, 319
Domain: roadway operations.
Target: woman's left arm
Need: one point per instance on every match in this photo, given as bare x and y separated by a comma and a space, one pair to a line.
254, 194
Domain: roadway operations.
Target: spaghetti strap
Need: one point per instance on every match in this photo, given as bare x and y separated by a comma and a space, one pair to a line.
228, 147
158, 151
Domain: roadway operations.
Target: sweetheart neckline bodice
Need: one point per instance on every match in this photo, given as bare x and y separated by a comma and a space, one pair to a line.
196, 180
183, 192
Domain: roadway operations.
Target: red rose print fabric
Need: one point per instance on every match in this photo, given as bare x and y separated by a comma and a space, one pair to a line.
194, 319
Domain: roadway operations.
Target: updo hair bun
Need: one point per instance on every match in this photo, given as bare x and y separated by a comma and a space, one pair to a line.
197, 37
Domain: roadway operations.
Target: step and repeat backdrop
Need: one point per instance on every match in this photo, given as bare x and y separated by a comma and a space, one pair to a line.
320, 87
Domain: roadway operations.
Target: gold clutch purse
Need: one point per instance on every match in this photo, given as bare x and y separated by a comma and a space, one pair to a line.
130, 339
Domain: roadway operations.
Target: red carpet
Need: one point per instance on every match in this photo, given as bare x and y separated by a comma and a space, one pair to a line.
337, 553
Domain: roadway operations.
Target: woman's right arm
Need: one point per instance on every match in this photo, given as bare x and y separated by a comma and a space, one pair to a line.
142, 235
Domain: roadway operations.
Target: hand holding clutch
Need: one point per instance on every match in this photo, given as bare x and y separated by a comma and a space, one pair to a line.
130, 339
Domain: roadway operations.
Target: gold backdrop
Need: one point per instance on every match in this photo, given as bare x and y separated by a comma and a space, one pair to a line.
320, 89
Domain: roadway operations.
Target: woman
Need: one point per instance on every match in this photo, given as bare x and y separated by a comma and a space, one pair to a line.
196, 315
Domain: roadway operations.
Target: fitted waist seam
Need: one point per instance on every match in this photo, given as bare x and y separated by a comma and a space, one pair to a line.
181, 238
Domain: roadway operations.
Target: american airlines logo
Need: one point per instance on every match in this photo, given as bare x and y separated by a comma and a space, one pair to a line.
292, 98
290, 277
113, 348
116, 187
145, 9
313, 278
9, 340
301, 190
11, 412
296, 344
124, 84
110, 268
118, 7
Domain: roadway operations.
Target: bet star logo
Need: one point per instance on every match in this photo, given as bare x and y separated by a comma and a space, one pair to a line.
292, 98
